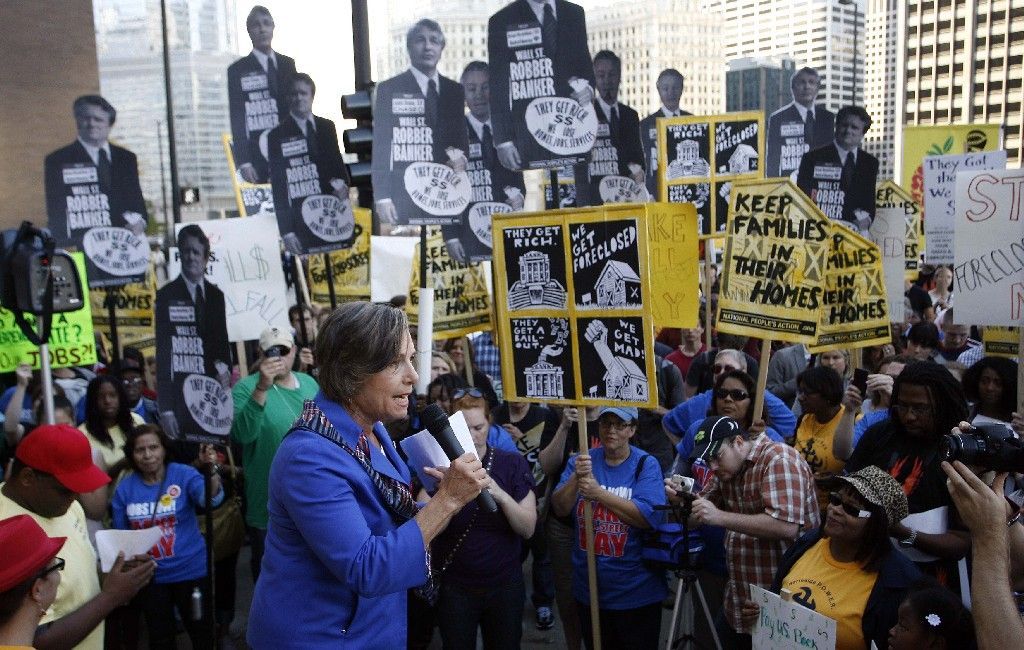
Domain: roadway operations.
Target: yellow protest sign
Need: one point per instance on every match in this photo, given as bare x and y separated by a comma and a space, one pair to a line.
774, 263
71, 341
673, 250
133, 309
939, 140
462, 303
890, 196
854, 311
350, 267
699, 157
572, 306
251, 198
1000, 341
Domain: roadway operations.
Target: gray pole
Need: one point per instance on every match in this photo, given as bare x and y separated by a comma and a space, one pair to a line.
172, 153
361, 43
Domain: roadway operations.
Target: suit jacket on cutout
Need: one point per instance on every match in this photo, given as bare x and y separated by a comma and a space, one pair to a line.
824, 131
861, 194
245, 145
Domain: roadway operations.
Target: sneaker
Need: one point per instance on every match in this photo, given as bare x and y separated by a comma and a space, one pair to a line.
545, 620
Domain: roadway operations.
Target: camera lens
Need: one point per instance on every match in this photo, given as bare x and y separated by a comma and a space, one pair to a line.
963, 448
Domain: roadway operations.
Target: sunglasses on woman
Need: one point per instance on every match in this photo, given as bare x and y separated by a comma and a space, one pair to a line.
735, 393
836, 500
463, 392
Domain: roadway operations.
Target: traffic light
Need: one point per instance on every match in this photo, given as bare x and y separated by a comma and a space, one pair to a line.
359, 141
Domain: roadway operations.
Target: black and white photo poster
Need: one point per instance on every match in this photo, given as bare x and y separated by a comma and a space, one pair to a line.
420, 144
797, 127
192, 350
94, 201
542, 84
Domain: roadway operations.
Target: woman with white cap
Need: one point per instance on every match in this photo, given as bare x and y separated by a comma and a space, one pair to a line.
29, 577
848, 569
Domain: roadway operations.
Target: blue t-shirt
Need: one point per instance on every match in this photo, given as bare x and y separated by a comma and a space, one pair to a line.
695, 409
498, 438
27, 416
625, 581
181, 551
869, 419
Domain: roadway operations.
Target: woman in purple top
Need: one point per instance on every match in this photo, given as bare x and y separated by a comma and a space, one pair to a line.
478, 556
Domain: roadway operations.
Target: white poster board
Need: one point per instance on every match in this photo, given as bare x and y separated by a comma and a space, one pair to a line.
889, 231
988, 274
392, 266
787, 625
246, 264
939, 198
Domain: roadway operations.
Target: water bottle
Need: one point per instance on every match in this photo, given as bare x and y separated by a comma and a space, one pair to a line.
197, 604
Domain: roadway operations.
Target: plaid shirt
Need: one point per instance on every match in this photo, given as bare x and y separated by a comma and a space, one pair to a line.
777, 481
486, 355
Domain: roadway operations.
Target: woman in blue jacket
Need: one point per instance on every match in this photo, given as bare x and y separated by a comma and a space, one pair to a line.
345, 538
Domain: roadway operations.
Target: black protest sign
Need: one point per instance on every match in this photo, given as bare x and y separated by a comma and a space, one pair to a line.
534, 267
613, 358
687, 151
309, 180
541, 354
606, 265
595, 348
737, 147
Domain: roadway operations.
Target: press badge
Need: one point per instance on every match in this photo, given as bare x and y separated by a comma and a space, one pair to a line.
792, 129
523, 36
254, 81
294, 147
408, 105
79, 173
827, 173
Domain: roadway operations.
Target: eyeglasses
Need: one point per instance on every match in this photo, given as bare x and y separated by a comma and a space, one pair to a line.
59, 566
917, 410
719, 369
132, 382
463, 392
836, 500
735, 393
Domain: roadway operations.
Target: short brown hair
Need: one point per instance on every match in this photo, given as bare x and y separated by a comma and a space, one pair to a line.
467, 402
358, 339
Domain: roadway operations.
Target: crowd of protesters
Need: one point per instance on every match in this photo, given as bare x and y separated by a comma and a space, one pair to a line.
836, 491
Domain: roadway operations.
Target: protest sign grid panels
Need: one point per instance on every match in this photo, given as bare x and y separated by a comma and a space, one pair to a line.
573, 324
700, 156
71, 341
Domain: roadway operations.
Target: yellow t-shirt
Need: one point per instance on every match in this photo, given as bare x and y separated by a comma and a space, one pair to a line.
79, 581
110, 456
814, 442
838, 590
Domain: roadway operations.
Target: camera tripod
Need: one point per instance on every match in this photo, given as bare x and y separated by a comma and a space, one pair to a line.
683, 618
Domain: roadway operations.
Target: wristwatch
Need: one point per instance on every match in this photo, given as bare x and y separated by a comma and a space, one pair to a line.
908, 542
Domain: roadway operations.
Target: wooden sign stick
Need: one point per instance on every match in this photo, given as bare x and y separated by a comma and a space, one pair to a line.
762, 378
588, 527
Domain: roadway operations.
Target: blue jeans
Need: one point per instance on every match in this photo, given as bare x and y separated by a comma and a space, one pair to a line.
497, 611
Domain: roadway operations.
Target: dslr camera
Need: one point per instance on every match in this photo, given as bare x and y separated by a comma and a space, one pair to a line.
991, 446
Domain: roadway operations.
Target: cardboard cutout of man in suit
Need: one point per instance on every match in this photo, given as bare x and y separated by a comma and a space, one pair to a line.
840, 177
799, 126
257, 95
618, 151
305, 161
418, 117
492, 182
92, 183
536, 48
191, 333
670, 89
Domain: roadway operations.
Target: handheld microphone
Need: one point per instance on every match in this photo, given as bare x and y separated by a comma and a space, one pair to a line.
434, 418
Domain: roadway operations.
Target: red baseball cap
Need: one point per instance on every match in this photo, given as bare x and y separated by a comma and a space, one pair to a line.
64, 451
26, 549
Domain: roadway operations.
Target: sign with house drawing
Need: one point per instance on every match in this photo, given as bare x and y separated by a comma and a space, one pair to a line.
572, 301
606, 264
701, 155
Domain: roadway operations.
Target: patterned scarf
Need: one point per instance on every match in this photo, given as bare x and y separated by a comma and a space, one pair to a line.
397, 496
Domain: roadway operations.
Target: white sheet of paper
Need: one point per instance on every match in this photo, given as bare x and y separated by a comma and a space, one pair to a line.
423, 451
932, 521
131, 542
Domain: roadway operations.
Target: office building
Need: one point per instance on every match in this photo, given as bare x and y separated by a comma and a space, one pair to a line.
759, 84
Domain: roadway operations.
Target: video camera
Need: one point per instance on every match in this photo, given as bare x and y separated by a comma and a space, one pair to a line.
991, 446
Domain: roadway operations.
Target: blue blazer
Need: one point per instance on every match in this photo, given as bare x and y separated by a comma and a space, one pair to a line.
336, 567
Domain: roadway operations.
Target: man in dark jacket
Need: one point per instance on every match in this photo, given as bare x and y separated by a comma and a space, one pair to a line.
797, 127
670, 90
617, 151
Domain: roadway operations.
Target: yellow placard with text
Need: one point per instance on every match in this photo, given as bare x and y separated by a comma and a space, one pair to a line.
350, 268
133, 310
1001, 341
71, 341
701, 156
940, 140
462, 303
890, 196
572, 306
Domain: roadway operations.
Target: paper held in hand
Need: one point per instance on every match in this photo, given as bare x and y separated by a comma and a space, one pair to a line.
131, 542
423, 451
